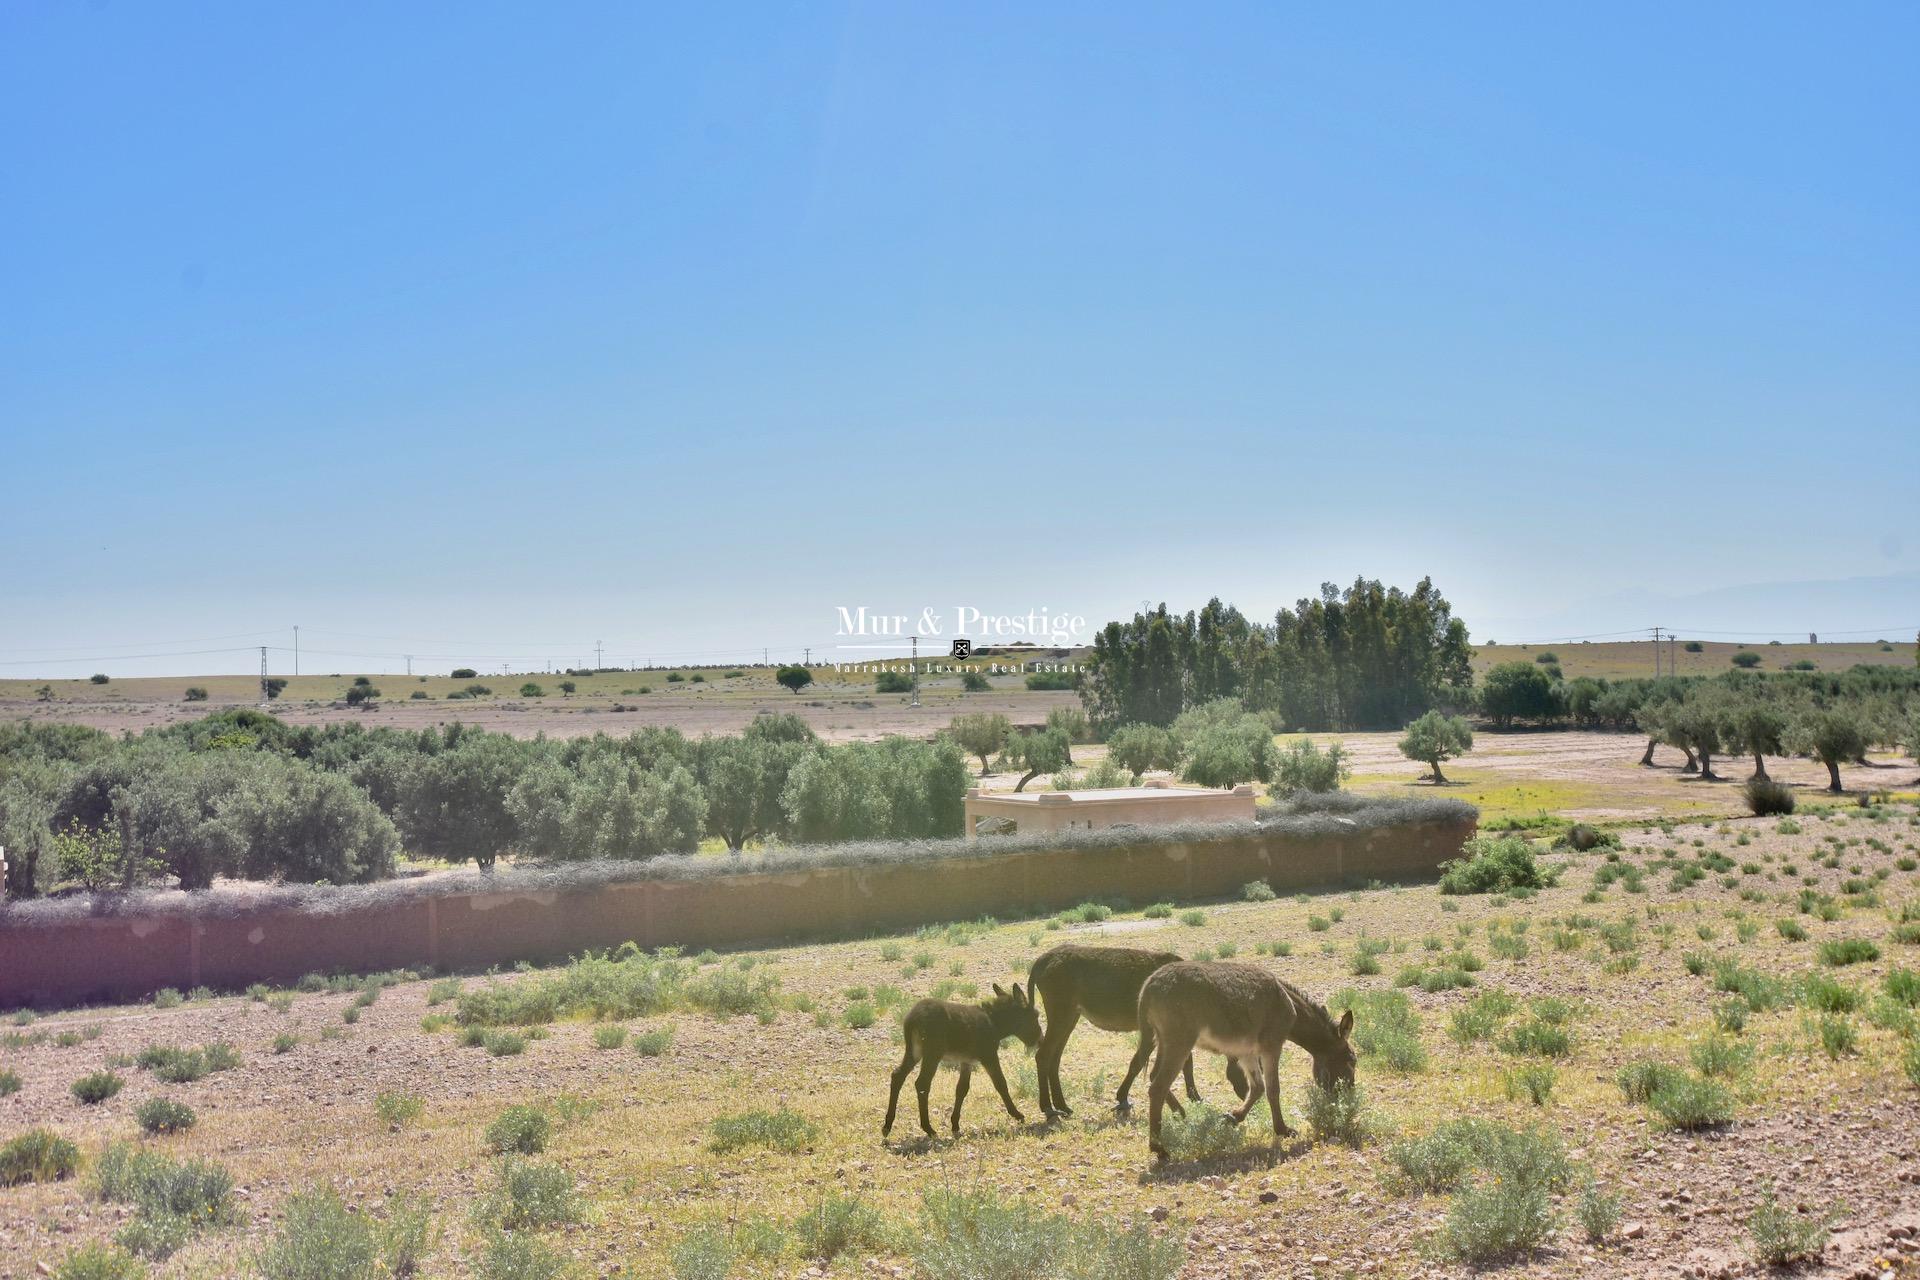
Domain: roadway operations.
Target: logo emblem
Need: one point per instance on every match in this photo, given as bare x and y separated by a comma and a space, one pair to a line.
963, 648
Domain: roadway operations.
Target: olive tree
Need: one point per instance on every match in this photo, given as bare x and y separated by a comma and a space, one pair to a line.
1435, 737
1755, 725
1140, 747
1037, 751
1225, 753
609, 808
1830, 735
981, 735
453, 804
1517, 691
743, 779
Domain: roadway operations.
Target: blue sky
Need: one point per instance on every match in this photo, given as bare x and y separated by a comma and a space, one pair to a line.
525, 326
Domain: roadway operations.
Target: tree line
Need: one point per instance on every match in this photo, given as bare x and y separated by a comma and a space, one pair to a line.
1368, 657
241, 793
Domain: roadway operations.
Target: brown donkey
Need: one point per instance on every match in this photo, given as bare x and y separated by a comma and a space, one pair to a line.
1246, 1013
964, 1034
1104, 984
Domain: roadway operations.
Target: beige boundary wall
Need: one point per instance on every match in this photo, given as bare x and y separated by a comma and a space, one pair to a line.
70, 959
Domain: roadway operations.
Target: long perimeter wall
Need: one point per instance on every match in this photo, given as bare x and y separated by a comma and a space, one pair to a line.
78, 959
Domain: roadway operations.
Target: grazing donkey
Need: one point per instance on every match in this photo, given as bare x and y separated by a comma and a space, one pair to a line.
964, 1034
1104, 984
1247, 1014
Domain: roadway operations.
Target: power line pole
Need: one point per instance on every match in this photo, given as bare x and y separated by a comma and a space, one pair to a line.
598, 661
1656, 653
914, 666
265, 695
808, 660
409, 664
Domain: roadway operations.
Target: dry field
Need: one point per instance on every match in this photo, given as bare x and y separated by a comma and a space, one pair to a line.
839, 707
1824, 1104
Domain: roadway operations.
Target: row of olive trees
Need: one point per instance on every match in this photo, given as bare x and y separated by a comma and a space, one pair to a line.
242, 794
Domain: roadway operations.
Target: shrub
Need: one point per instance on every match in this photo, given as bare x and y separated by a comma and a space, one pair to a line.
97, 1262
1301, 766
196, 694
1204, 1133
975, 1235
395, 1109
892, 682
1598, 1211
319, 1239
1746, 659
518, 1256
779, 1130
172, 1199
464, 673
164, 1115
1534, 1083
1641, 1080
9, 1083
1689, 1103
1792, 930
1046, 681
609, 1036
1902, 985
704, 1254
532, 690
530, 1194
1716, 1055
1768, 798
1193, 918
1257, 891
1493, 865
97, 1087
97, 678
1837, 1035
1159, 911
285, 1042
1386, 1029
1780, 1236
1844, 951
1339, 1114
1537, 1038
836, 1224
503, 1044
651, 1044
38, 1155
519, 1130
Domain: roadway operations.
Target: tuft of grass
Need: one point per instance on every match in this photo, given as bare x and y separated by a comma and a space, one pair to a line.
836, 1224
1690, 1103
172, 1200
519, 1130
528, 1195
1781, 1237
1386, 1030
1844, 951
1641, 1080
9, 1083
703, 1254
1533, 1082
1598, 1211
1205, 1133
96, 1087
778, 1130
394, 1109
1257, 891
1717, 1055
1159, 911
38, 1155
1194, 918
285, 1042
164, 1115
609, 1036
503, 1044
858, 1016
1837, 1035
651, 1044
97, 1262
1537, 1038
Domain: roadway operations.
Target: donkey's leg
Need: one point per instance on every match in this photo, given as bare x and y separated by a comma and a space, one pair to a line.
1271, 1061
992, 1065
1140, 1056
1237, 1078
1166, 1065
960, 1094
1254, 1090
923, 1086
1061, 1021
1193, 1090
893, 1094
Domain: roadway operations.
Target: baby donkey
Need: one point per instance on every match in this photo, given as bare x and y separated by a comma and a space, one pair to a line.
965, 1035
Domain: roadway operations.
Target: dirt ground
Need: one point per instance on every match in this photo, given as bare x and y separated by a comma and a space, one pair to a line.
1838, 1136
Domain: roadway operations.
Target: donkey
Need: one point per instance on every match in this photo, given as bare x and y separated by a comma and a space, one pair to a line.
1104, 984
966, 1035
1246, 1013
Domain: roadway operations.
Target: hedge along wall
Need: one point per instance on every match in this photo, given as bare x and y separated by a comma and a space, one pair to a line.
63, 957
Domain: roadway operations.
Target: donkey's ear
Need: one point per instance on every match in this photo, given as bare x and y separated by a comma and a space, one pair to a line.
1022, 996
997, 991
1346, 1023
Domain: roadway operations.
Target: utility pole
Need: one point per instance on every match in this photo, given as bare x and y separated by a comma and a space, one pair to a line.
1656, 653
808, 660
598, 661
265, 695
409, 658
763, 657
915, 667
